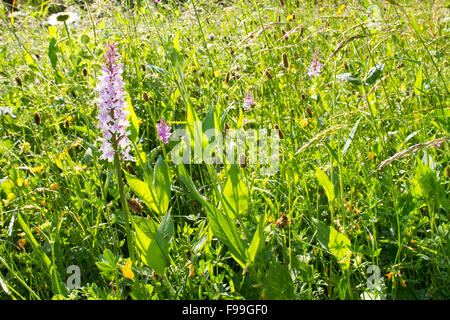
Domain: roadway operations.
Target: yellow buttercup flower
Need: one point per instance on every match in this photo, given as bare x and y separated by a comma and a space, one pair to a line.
304, 122
37, 169
26, 147
127, 271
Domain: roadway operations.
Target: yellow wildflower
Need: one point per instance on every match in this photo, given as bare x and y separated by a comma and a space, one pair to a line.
127, 271
37, 169
371, 156
21, 244
54, 187
304, 122
26, 147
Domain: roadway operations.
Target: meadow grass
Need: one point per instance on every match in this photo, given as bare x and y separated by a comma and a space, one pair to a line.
363, 175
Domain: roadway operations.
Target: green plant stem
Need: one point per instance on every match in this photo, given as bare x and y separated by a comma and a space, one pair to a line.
123, 203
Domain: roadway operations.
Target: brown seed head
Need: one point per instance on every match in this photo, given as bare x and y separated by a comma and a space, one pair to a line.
37, 118
19, 81
280, 133
285, 61
282, 222
130, 169
135, 206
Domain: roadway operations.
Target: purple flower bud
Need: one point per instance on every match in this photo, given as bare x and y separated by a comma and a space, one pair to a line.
248, 101
112, 115
163, 130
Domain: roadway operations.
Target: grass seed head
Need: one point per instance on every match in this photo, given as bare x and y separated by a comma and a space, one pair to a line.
37, 118
145, 96
280, 133
135, 206
285, 61
19, 81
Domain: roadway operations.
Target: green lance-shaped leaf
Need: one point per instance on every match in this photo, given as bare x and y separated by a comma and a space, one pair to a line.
153, 241
193, 125
156, 195
143, 191
161, 183
326, 184
335, 242
418, 85
278, 284
52, 50
133, 120
235, 195
222, 226
258, 239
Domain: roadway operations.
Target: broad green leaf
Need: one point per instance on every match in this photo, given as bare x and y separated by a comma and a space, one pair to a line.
133, 120
165, 232
235, 194
278, 283
150, 251
109, 257
143, 191
326, 184
52, 49
161, 183
221, 225
258, 239
176, 41
335, 242
225, 230
425, 186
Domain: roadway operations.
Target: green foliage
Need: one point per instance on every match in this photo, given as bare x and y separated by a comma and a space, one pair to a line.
153, 241
363, 174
